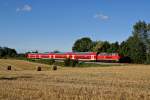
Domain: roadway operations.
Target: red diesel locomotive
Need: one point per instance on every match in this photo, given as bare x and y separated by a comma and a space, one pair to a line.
88, 56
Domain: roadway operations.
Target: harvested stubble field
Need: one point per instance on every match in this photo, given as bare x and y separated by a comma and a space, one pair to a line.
23, 82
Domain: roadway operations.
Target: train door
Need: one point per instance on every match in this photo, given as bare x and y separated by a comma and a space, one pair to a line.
50, 56
92, 57
54, 56
67, 56
39, 56
72, 56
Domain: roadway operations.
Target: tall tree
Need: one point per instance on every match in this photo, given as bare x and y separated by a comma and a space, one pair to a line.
137, 46
97, 46
124, 49
136, 50
105, 47
142, 30
83, 45
2, 53
114, 47
7, 52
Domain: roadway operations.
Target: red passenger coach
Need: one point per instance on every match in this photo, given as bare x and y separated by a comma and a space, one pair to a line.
86, 56
89, 56
108, 57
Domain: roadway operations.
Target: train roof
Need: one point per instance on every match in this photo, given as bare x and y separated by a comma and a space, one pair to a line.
88, 53
67, 53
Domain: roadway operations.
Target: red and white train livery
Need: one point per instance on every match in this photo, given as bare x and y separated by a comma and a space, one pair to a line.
89, 56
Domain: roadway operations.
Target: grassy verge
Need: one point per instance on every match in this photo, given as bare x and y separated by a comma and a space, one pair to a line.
58, 63
83, 64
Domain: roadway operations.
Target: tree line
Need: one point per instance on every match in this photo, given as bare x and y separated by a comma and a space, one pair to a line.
7, 52
136, 48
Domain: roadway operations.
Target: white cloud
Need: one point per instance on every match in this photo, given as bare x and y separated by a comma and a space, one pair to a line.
101, 16
25, 8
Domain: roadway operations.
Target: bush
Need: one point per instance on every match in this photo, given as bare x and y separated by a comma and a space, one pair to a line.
31, 60
74, 63
52, 61
125, 60
67, 62
59, 63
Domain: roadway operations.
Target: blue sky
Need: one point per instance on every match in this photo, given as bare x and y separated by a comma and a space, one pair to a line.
48, 25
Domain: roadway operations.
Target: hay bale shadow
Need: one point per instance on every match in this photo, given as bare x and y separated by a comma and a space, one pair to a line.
14, 77
8, 78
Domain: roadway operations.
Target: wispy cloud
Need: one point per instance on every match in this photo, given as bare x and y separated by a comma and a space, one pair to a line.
101, 16
25, 8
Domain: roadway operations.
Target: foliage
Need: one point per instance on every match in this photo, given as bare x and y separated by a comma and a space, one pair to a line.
43, 61
82, 45
125, 59
147, 59
67, 62
7, 52
142, 31
52, 61
123, 49
74, 63
105, 47
114, 47
136, 50
97, 46
56, 51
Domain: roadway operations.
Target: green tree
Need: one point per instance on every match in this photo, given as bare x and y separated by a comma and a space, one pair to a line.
56, 51
97, 46
114, 47
124, 49
2, 53
105, 47
135, 46
136, 50
7, 52
83, 45
142, 31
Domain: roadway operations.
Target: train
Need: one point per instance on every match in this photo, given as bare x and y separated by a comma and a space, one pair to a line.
81, 56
